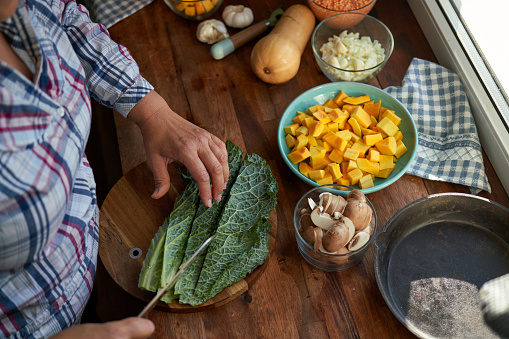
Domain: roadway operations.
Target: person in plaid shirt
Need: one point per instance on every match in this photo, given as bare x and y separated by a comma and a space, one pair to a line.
52, 60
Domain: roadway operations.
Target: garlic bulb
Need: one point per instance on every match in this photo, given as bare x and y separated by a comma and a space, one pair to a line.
238, 16
211, 31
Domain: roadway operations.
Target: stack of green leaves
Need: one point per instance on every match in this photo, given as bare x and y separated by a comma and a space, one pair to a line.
240, 221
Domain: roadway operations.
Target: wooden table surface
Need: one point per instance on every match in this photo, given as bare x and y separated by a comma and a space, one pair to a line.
291, 299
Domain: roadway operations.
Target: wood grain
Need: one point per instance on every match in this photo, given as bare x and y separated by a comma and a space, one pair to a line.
290, 299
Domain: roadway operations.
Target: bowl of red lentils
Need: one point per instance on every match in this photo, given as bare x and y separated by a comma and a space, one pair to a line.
326, 8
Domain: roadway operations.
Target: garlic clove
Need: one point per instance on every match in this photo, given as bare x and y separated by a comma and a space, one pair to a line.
359, 239
211, 31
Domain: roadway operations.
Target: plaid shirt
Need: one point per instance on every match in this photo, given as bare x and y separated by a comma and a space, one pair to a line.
48, 209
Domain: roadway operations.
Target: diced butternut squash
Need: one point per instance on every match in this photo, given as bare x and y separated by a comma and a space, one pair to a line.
304, 168
325, 131
333, 126
374, 122
372, 139
361, 147
299, 119
373, 109
326, 180
302, 141
343, 181
385, 173
387, 126
290, 141
335, 171
354, 176
319, 163
331, 104
336, 156
339, 98
398, 136
400, 149
347, 140
387, 146
299, 155
316, 174
356, 128
348, 108
311, 141
316, 128
190, 11
361, 116
356, 100
351, 154
335, 141
208, 5
200, 9
373, 155
180, 6
307, 122
386, 162
290, 129
301, 130
366, 182
389, 113
347, 135
368, 166
350, 166
322, 116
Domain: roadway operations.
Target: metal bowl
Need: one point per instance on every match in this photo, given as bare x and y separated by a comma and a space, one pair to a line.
433, 256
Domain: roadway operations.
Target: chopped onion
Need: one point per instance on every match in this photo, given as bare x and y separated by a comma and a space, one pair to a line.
349, 52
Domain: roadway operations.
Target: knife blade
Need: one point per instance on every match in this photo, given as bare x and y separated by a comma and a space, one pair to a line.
173, 280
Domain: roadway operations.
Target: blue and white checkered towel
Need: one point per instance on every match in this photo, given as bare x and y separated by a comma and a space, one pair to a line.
449, 148
109, 12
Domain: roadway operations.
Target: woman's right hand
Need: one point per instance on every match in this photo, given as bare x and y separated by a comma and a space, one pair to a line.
129, 328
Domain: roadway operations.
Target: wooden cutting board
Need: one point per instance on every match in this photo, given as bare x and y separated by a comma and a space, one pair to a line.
129, 219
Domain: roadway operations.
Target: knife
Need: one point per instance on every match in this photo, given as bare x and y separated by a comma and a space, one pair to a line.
173, 280
226, 46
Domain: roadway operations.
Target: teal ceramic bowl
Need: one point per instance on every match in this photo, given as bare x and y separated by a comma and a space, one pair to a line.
320, 94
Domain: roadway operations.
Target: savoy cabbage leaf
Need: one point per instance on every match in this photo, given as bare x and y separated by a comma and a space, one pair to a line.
252, 198
152, 267
177, 233
204, 225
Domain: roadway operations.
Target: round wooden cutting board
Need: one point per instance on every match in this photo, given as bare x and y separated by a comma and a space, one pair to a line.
129, 219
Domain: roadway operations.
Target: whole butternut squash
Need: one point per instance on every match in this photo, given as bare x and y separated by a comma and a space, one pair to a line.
275, 59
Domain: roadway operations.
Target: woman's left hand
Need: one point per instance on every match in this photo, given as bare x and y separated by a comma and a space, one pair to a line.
168, 137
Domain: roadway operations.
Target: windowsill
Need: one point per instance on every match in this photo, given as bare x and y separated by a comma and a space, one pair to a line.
455, 49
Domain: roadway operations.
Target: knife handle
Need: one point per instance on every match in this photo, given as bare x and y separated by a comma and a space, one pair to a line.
225, 47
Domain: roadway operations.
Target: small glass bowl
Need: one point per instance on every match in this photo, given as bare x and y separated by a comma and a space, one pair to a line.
322, 12
366, 26
194, 10
324, 261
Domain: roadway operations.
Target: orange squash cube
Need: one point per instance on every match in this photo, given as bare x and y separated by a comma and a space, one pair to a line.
305, 169
340, 97
368, 166
361, 116
299, 155
387, 146
356, 100
290, 141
